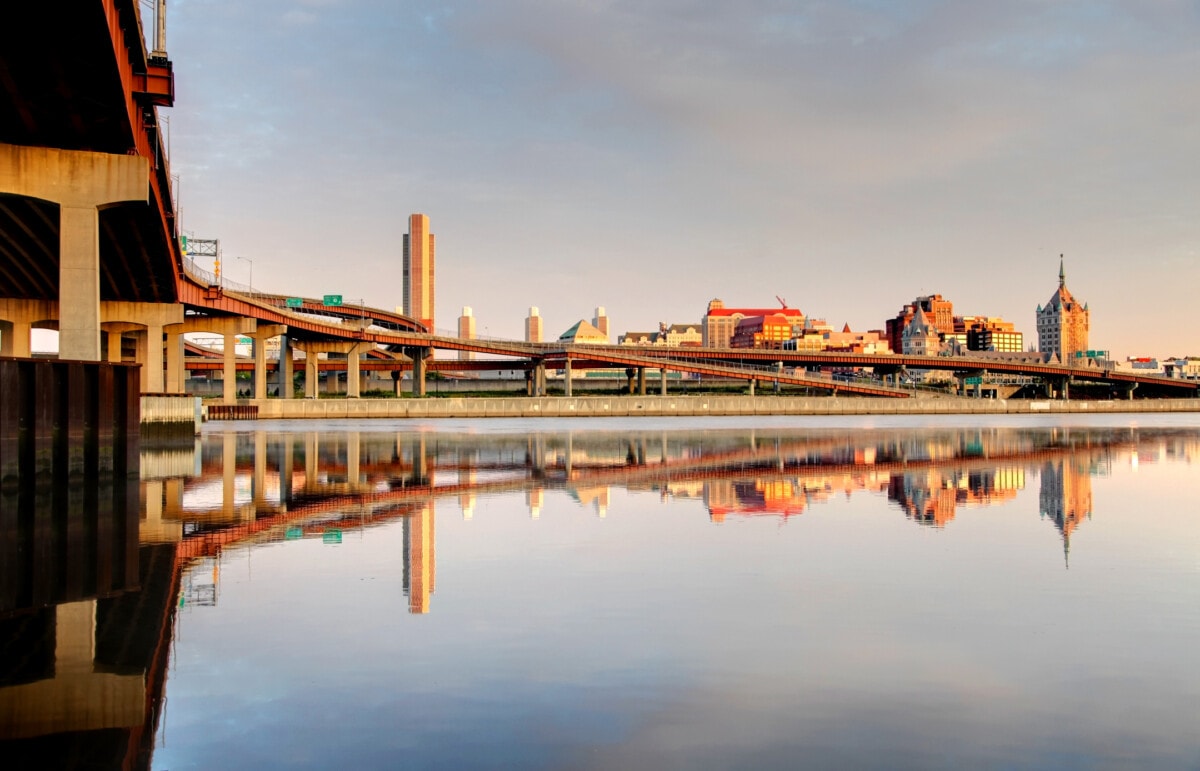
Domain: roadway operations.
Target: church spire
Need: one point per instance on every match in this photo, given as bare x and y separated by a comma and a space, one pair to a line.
1062, 274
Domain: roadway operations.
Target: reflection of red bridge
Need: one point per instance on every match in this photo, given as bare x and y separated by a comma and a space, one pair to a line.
92, 248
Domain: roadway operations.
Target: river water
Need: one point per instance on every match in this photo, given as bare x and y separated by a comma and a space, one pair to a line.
917, 592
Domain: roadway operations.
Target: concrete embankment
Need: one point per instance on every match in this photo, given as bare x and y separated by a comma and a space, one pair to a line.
659, 406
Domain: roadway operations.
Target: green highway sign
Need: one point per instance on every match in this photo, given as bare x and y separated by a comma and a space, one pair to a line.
332, 299
297, 302
974, 381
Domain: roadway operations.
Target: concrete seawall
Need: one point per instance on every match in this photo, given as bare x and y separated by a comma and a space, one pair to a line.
659, 406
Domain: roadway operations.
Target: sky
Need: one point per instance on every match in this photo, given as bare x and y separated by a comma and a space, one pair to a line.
846, 157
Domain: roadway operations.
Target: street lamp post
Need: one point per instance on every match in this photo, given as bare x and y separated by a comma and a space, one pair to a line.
247, 259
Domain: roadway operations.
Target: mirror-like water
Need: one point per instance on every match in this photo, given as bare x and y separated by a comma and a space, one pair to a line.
906, 593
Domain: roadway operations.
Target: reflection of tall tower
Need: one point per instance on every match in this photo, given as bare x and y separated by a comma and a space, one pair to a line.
1066, 495
535, 498
418, 270
419, 558
466, 478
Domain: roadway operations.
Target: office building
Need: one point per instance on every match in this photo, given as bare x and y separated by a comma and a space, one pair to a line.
1062, 324
418, 270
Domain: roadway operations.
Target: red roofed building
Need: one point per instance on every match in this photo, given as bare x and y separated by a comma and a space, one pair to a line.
720, 322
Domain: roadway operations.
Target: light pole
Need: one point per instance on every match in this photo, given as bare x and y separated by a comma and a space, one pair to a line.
247, 259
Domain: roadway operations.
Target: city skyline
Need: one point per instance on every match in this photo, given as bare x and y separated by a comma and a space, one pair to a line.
847, 158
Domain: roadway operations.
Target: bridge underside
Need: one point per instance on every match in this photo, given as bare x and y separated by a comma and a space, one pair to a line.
132, 249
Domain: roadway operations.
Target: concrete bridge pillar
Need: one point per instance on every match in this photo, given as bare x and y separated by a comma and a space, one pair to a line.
175, 377
80, 183
567, 378
629, 374
113, 352
641, 380
14, 338
311, 373
286, 368
539, 379
752, 384
260, 337
662, 386
353, 371
418, 356
229, 327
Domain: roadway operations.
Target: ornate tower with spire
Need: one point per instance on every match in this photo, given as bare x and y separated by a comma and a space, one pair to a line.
1062, 323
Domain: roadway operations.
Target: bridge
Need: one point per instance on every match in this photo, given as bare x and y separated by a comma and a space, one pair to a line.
89, 246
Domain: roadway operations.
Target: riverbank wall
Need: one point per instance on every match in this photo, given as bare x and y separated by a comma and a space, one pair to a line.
662, 406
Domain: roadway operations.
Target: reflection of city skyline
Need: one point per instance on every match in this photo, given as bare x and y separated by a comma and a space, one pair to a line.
92, 625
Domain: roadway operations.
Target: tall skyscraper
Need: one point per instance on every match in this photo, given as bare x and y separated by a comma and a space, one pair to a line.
466, 330
600, 321
533, 326
1062, 324
418, 270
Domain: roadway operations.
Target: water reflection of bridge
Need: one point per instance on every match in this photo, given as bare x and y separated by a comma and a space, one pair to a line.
90, 581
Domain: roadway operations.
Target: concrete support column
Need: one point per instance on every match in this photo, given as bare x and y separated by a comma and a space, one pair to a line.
641, 378
14, 339
311, 374
567, 378
286, 368
79, 282
229, 371
176, 377
662, 385
418, 370
752, 384
150, 356
79, 182
114, 347
353, 378
539, 379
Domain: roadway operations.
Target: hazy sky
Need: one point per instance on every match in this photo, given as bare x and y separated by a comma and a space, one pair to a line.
650, 156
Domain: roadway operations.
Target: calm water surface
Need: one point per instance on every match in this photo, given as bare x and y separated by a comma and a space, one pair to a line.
874, 593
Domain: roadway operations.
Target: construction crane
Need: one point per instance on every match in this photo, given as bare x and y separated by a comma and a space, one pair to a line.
782, 301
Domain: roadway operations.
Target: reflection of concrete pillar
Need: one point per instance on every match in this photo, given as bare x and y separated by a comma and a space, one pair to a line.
353, 452
229, 371
310, 459
228, 471
259, 481
286, 464
420, 463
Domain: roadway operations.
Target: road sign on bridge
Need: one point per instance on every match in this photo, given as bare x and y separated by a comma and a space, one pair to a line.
332, 299
296, 302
